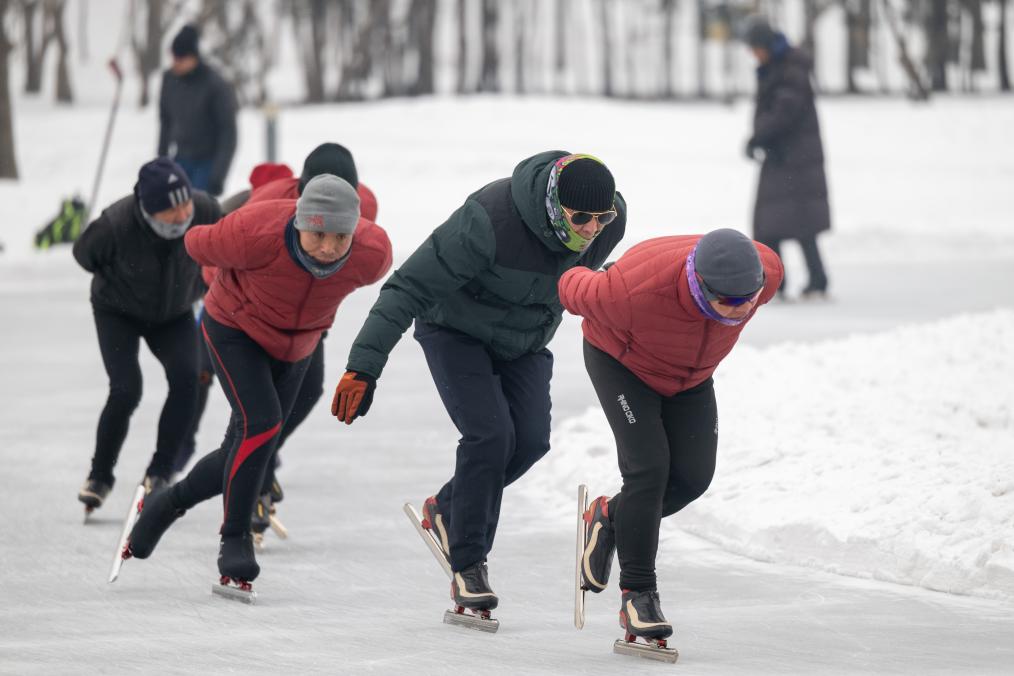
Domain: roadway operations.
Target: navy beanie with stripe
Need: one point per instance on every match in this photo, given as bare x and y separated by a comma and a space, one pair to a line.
162, 184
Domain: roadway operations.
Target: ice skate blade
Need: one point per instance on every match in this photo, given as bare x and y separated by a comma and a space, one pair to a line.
428, 538
649, 652
582, 532
232, 593
467, 619
128, 525
280, 530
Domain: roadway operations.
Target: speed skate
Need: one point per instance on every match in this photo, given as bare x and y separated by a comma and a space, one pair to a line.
478, 619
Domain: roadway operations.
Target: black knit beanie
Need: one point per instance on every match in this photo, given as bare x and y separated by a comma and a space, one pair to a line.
185, 42
329, 158
162, 184
586, 185
758, 33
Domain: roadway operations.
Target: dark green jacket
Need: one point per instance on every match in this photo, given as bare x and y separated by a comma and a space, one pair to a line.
490, 271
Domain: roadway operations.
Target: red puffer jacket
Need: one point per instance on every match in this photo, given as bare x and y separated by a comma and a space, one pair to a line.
261, 290
288, 188
640, 311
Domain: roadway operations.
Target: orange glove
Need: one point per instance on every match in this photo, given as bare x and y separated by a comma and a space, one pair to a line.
353, 396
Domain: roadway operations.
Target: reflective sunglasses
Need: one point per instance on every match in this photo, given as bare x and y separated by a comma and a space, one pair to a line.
584, 217
723, 299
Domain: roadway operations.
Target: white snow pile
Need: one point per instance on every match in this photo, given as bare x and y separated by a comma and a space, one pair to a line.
886, 456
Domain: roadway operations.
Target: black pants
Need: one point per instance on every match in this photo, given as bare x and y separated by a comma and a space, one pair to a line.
666, 448
260, 390
501, 409
174, 344
310, 393
814, 264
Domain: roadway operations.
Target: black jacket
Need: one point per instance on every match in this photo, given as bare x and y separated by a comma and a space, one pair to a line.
490, 271
792, 193
197, 114
137, 273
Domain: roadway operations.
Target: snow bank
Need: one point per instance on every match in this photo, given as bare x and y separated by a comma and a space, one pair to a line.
887, 456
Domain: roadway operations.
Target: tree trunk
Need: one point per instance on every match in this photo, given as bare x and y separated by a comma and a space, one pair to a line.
462, 86
857, 44
917, 90
937, 47
8, 161
424, 22
1001, 48
560, 25
64, 90
489, 77
36, 45
605, 26
702, 36
978, 46
147, 53
669, 9
521, 10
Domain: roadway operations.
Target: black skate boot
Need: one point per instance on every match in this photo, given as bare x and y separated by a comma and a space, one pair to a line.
599, 546
157, 514
277, 495
470, 588
236, 559
641, 616
260, 520
238, 568
433, 521
154, 483
93, 494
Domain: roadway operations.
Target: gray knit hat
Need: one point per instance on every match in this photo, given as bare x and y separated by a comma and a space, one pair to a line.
328, 204
728, 262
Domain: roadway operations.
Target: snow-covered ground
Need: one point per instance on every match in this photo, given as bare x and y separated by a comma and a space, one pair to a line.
871, 436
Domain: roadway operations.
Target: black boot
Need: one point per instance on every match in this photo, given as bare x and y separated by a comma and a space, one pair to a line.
599, 546
236, 558
94, 493
641, 615
260, 520
157, 514
470, 588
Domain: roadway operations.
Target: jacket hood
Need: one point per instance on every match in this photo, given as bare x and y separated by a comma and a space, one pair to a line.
528, 190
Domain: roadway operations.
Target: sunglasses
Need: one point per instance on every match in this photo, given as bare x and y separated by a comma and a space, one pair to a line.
584, 217
722, 299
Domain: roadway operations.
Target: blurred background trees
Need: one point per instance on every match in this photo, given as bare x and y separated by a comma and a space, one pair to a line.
355, 50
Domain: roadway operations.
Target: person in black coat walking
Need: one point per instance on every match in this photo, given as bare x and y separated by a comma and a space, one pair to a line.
197, 116
143, 286
792, 198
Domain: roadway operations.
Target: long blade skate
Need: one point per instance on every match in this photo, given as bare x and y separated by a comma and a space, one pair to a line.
479, 620
653, 649
119, 556
235, 590
582, 533
428, 538
280, 530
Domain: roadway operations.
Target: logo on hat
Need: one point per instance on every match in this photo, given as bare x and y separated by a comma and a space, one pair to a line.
172, 178
315, 221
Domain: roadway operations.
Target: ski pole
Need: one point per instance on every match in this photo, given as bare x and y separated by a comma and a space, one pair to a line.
118, 74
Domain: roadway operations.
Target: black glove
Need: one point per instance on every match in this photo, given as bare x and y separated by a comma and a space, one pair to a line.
607, 265
754, 151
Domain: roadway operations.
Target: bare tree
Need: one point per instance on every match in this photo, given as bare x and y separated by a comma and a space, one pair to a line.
36, 41
489, 73
1001, 48
54, 15
422, 27
917, 89
938, 44
857, 45
146, 39
669, 9
462, 16
309, 24
605, 24
8, 161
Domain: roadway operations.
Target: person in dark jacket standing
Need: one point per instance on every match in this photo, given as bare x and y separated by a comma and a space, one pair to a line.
283, 268
197, 115
143, 286
792, 200
656, 325
482, 290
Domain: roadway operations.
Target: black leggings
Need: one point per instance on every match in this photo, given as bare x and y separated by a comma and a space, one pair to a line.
260, 390
310, 393
174, 344
666, 448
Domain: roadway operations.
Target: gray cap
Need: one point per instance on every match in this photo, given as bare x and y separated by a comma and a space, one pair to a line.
728, 262
328, 204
